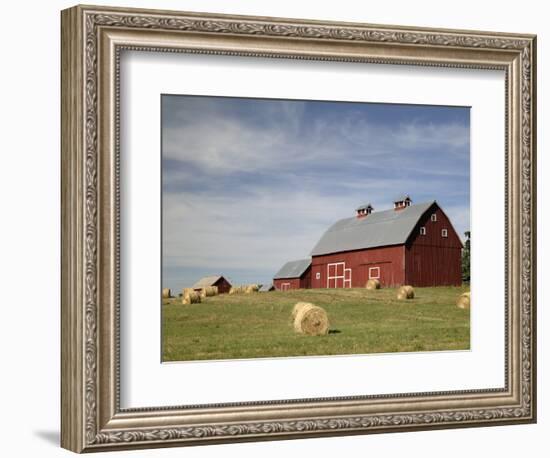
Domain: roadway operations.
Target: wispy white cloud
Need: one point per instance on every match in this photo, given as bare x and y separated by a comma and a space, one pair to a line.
258, 231
220, 144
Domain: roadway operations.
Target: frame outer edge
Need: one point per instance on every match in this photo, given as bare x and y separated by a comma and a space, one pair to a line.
81, 377
72, 226
533, 253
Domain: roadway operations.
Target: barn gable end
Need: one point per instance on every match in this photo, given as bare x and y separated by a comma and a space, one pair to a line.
432, 256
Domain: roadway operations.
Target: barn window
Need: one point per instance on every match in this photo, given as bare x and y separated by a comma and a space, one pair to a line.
443, 232
422, 230
434, 217
374, 272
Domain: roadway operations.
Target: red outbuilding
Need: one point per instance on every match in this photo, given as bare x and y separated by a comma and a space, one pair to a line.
409, 244
214, 280
293, 275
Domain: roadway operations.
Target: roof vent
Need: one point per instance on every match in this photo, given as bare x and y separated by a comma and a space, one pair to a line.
363, 210
401, 202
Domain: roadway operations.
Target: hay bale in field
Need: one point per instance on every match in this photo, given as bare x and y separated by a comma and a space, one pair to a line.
297, 307
405, 292
192, 298
186, 291
209, 291
166, 293
373, 283
311, 320
410, 290
236, 290
251, 289
463, 301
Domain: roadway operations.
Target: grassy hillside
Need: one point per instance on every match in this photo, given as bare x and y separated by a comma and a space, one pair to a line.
259, 325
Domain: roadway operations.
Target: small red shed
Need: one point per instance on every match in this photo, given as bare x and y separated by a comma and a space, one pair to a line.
293, 275
214, 280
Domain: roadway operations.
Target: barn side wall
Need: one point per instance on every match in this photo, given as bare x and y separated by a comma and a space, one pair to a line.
431, 259
293, 283
386, 262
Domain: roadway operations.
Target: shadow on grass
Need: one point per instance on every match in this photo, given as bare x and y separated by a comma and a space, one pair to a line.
334, 331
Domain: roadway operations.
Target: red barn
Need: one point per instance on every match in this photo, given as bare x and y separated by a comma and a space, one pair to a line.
214, 280
293, 275
409, 244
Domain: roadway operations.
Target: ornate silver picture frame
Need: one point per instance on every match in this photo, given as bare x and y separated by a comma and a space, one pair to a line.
93, 39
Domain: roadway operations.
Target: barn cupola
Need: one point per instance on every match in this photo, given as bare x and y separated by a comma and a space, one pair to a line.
363, 210
402, 202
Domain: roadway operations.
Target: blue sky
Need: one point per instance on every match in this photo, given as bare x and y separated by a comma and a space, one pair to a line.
249, 184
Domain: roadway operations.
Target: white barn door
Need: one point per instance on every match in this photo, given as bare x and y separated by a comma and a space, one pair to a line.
347, 278
337, 275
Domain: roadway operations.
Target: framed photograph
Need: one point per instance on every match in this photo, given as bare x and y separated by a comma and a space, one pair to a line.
278, 228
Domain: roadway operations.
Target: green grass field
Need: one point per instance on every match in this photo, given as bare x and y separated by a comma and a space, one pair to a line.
361, 321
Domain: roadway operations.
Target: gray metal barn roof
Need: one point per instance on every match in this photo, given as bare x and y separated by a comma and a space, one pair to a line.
384, 228
206, 281
293, 269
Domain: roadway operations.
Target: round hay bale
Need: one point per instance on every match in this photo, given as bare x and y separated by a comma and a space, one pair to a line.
237, 289
297, 307
311, 320
405, 292
192, 298
373, 283
166, 293
251, 289
463, 301
186, 291
211, 291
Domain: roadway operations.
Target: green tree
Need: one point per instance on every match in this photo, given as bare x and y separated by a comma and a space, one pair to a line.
466, 258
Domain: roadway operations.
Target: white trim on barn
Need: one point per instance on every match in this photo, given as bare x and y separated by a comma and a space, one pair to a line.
285, 286
335, 277
377, 275
347, 280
